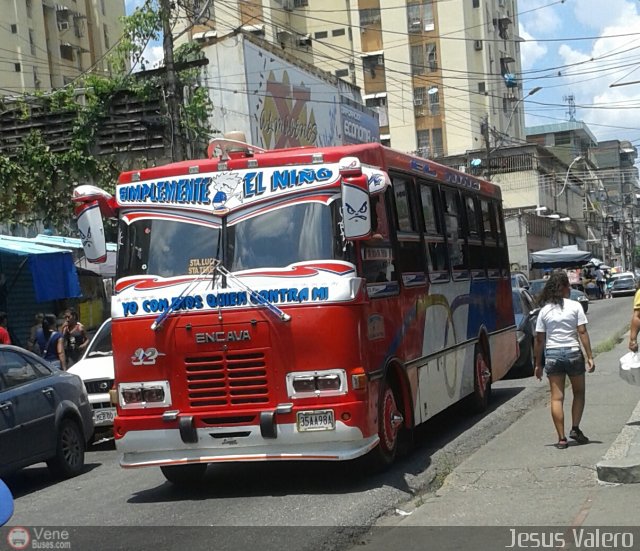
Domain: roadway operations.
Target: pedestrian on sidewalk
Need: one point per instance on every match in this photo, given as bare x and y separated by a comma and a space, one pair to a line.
560, 328
4, 333
635, 323
51, 342
75, 337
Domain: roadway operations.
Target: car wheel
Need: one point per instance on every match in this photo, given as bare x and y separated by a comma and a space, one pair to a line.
69, 459
184, 475
479, 400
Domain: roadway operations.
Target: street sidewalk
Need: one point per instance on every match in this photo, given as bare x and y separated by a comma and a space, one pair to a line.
520, 479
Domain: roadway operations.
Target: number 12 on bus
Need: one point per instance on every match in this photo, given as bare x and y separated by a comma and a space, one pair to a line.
298, 304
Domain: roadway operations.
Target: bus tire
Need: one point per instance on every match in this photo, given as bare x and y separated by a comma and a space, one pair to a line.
390, 421
184, 475
481, 380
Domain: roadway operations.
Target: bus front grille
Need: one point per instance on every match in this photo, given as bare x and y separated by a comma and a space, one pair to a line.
227, 379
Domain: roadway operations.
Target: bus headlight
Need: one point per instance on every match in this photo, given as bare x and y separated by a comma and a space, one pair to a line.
151, 394
307, 384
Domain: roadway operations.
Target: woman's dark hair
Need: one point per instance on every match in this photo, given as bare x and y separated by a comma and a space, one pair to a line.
553, 291
49, 325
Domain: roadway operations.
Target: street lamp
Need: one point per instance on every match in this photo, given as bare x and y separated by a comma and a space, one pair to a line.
566, 177
515, 106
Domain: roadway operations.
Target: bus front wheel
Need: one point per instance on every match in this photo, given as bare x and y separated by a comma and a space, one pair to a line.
184, 475
390, 421
481, 381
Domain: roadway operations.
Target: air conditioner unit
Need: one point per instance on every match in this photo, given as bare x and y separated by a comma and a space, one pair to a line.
417, 101
477, 45
63, 25
415, 25
304, 40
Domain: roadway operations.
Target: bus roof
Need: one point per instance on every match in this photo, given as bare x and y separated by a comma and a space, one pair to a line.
372, 154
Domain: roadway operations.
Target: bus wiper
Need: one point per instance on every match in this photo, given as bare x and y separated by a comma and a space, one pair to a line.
255, 296
172, 307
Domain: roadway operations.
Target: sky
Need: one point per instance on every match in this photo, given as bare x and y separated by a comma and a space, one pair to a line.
570, 47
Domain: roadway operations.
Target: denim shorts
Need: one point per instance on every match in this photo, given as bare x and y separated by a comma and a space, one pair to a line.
568, 361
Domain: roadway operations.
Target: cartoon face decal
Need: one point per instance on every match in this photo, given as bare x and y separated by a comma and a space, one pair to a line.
226, 185
360, 214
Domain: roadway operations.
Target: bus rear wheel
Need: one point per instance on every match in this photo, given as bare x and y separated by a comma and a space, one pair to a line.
184, 475
390, 422
481, 381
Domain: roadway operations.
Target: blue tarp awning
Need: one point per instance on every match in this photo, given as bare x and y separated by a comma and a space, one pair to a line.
53, 272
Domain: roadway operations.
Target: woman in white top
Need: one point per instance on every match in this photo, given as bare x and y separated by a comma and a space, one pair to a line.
561, 327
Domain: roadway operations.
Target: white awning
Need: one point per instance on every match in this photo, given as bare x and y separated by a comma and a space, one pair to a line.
370, 54
374, 96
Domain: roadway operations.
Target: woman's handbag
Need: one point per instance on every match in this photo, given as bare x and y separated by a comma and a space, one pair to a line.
630, 368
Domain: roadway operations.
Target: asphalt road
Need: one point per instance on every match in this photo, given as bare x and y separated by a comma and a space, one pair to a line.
285, 505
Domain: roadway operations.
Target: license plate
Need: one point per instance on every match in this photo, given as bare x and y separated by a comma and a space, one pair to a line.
316, 420
104, 416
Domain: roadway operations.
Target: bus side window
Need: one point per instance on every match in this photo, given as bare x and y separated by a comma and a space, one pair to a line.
474, 241
436, 249
491, 249
410, 252
455, 235
378, 263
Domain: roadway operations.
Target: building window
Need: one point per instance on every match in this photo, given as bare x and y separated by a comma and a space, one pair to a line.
417, 60
36, 78
103, 8
341, 73
17, 67
432, 58
370, 17
14, 28
66, 51
32, 42
475, 4
105, 31
424, 143
420, 17
562, 138
437, 143
371, 63
29, 6
482, 89
300, 3
321, 34
338, 32
434, 101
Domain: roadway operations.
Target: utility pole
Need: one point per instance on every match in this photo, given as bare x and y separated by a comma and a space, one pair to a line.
484, 130
173, 101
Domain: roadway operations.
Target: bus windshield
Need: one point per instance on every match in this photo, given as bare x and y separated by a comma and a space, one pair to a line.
275, 239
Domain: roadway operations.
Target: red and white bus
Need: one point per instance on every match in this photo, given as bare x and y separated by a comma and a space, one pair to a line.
298, 304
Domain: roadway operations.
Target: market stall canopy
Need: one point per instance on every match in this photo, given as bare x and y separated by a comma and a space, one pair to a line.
106, 269
560, 257
53, 271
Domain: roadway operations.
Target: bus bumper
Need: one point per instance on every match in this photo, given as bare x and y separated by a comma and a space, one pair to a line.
162, 447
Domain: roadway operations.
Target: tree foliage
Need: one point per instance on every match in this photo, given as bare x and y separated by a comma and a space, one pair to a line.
36, 183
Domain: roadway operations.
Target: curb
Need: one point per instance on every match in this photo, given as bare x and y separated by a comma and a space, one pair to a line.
621, 463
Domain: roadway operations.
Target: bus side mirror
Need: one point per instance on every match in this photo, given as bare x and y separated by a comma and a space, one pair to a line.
91, 203
356, 207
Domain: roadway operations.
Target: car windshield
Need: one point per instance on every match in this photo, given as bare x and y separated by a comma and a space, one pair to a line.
536, 286
101, 343
167, 248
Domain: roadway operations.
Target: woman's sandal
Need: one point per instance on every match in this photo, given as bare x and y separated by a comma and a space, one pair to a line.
562, 444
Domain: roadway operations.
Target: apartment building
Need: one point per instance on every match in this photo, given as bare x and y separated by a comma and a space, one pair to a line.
46, 44
442, 75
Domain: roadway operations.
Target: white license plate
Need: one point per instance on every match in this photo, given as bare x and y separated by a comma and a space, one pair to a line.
104, 416
316, 420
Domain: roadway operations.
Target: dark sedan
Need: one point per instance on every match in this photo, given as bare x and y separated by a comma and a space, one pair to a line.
525, 313
45, 415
